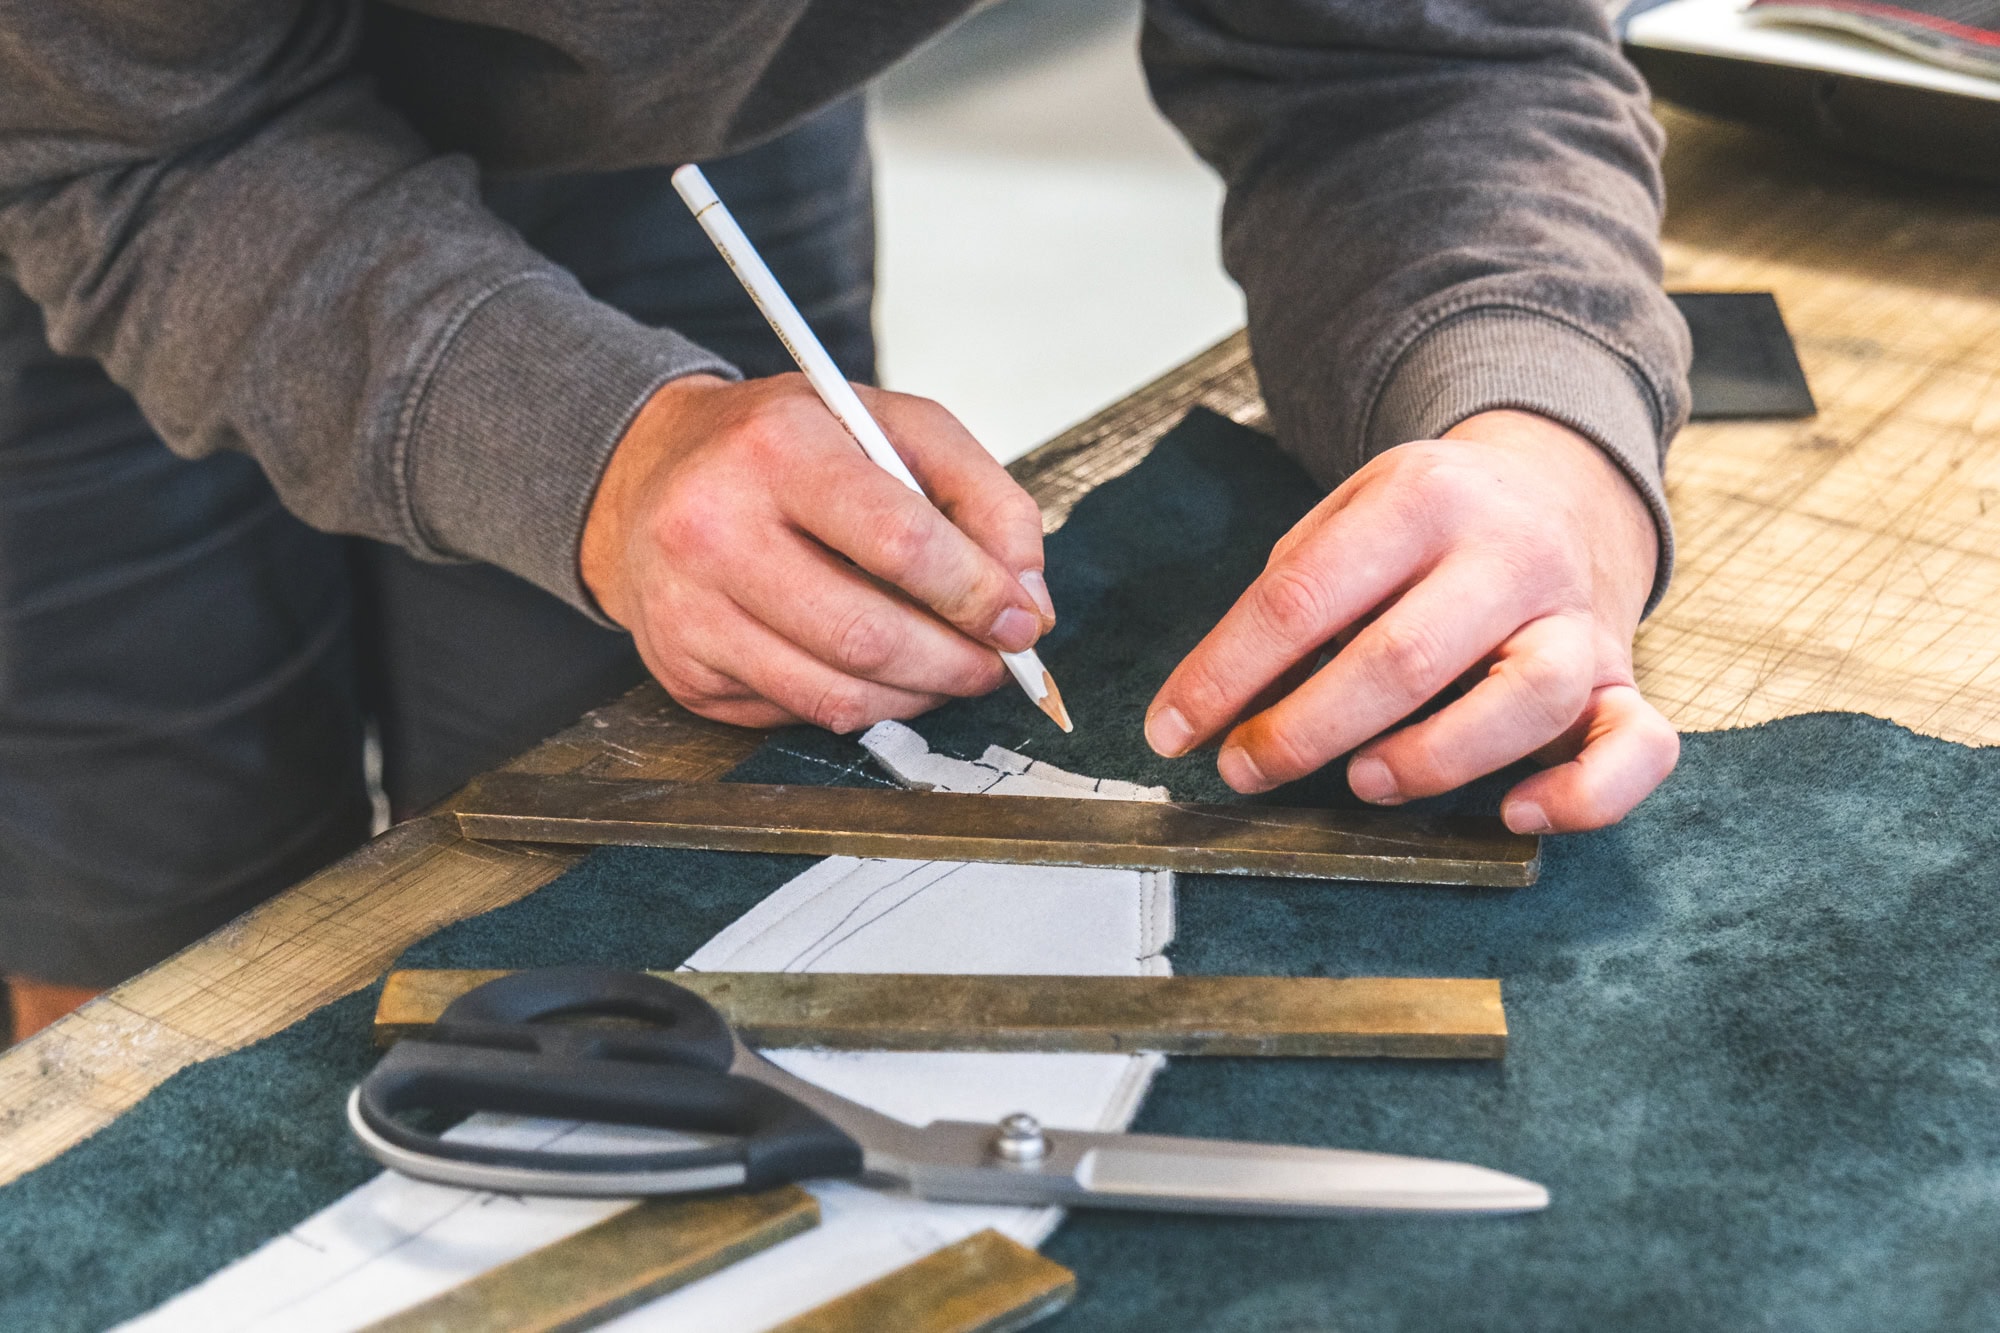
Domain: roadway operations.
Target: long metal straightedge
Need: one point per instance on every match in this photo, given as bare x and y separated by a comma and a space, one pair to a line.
985, 1283
598, 1273
1242, 839
1449, 1018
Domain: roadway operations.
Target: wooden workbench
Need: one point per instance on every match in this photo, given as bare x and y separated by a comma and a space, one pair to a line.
1847, 562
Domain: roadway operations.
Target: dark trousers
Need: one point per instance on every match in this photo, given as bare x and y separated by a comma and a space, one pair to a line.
187, 672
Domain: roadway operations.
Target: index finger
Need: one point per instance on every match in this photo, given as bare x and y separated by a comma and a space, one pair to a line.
1347, 565
977, 494
857, 509
1435, 631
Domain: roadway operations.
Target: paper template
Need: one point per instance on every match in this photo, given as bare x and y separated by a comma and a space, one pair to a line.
395, 1242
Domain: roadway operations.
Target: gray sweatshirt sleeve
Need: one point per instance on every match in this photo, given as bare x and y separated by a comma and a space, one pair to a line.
206, 198
1435, 209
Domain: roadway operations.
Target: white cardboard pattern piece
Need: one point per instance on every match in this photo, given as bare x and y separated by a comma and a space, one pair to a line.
394, 1242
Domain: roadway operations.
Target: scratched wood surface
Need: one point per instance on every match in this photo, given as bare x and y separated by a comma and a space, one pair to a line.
1850, 562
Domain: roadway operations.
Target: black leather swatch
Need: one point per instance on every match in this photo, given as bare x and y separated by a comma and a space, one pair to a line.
1744, 362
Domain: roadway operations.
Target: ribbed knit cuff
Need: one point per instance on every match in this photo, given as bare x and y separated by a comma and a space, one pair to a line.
1501, 357
514, 424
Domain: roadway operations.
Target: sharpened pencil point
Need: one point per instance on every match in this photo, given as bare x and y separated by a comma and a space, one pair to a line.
1051, 703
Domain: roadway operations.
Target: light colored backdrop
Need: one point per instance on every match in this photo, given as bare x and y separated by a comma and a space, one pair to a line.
1047, 241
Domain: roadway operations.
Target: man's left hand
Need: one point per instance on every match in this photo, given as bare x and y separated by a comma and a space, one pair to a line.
1511, 556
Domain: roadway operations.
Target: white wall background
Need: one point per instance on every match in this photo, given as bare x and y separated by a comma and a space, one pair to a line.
1047, 242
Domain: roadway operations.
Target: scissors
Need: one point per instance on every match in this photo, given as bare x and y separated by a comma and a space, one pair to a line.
627, 1048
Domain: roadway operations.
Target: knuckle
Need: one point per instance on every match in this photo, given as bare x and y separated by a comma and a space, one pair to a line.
1437, 497
802, 414
902, 539
1390, 465
689, 530
1538, 562
1552, 691
1414, 465
930, 416
1408, 653
1294, 602
1004, 520
1202, 696
1457, 486
867, 640
696, 688
763, 435
1314, 524
781, 396
1437, 491
774, 434
1015, 508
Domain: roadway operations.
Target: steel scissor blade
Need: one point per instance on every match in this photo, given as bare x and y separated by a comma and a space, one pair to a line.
1265, 1178
1160, 1173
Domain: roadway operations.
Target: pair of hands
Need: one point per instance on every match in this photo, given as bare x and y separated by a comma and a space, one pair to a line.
769, 573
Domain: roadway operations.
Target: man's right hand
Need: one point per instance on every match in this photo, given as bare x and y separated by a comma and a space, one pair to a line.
721, 536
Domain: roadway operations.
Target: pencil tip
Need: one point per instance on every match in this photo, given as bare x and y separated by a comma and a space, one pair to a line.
1051, 703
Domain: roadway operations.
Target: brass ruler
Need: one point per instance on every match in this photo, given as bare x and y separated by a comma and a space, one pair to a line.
1232, 839
617, 1265
983, 1284
1413, 1017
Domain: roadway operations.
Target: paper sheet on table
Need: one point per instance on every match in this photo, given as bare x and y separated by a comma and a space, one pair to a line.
395, 1242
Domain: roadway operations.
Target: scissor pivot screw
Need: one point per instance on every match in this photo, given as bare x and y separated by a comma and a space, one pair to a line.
1020, 1139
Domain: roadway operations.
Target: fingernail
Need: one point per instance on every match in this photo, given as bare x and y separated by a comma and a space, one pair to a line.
1015, 630
1239, 770
1039, 591
1372, 781
1168, 732
1525, 817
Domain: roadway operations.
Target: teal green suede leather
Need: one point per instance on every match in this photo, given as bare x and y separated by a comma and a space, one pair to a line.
1755, 1028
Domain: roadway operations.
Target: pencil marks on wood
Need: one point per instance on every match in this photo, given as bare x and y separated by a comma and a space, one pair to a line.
1850, 561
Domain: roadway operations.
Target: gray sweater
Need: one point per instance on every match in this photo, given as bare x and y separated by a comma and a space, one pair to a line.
262, 217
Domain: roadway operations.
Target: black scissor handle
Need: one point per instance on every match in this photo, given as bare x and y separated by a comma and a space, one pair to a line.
548, 1011
498, 1048
675, 1013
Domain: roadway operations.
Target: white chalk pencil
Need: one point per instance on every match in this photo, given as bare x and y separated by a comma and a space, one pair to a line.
832, 386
